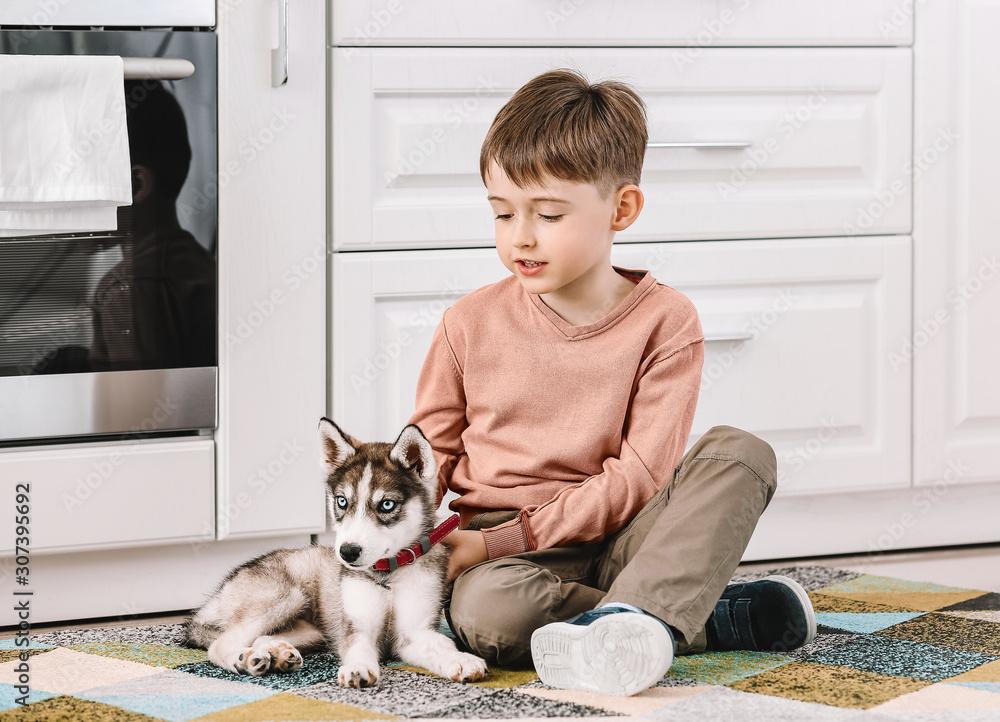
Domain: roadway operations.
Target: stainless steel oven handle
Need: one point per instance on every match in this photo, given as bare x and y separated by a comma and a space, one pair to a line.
279, 55
157, 68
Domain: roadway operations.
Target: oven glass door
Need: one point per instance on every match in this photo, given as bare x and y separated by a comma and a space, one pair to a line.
116, 333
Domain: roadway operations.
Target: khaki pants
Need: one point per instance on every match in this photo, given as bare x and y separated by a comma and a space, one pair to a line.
674, 559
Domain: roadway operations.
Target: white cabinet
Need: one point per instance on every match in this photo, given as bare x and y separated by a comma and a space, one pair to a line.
272, 281
819, 141
955, 349
83, 497
796, 334
691, 25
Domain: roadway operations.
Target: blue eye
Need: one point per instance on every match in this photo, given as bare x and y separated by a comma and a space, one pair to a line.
342, 502
387, 505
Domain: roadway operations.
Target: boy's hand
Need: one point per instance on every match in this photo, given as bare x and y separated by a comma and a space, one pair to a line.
468, 548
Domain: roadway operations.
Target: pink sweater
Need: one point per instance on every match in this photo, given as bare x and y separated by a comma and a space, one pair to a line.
575, 426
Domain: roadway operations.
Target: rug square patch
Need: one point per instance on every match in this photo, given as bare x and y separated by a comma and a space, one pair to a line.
984, 686
863, 623
641, 703
987, 602
289, 707
12, 644
993, 617
155, 655
9, 695
62, 709
944, 630
811, 577
830, 685
943, 697
989, 672
402, 693
918, 596
66, 671
901, 658
8, 655
723, 703
512, 704
496, 678
825, 639
315, 668
723, 667
834, 604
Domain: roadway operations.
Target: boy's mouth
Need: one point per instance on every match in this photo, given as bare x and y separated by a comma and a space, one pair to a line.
529, 268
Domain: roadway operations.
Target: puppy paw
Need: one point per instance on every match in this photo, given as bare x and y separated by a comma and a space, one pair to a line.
284, 657
254, 663
462, 667
357, 674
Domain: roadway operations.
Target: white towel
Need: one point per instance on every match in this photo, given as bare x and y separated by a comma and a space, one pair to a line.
64, 161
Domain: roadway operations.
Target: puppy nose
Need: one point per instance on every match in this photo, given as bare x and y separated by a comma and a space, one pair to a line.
350, 552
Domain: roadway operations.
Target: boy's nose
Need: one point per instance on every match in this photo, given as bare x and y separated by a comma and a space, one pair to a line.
523, 237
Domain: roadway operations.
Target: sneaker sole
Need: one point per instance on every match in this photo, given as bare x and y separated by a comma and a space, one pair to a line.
803, 597
620, 654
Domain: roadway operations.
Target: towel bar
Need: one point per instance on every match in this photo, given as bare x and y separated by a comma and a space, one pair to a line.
157, 68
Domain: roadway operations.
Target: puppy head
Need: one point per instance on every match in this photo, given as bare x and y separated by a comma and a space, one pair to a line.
381, 496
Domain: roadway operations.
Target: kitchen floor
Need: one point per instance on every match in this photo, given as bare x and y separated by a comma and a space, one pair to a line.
974, 567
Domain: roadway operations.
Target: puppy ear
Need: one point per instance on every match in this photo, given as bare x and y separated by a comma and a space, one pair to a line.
335, 446
413, 450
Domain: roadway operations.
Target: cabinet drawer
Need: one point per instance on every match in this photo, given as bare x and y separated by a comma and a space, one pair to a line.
120, 494
827, 134
798, 337
685, 23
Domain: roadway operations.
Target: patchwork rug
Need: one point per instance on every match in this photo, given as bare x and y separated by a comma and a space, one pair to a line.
887, 649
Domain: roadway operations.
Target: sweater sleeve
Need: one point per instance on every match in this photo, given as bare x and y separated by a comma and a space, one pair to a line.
656, 433
440, 406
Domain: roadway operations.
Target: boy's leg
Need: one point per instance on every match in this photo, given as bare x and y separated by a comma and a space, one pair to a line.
676, 557
495, 606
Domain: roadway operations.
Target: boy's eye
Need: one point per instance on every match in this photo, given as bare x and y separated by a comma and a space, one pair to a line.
387, 505
550, 219
342, 502
504, 216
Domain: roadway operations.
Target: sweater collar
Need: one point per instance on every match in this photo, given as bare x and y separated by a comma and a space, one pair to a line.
574, 333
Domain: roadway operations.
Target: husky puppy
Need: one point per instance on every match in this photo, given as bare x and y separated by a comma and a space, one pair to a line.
269, 610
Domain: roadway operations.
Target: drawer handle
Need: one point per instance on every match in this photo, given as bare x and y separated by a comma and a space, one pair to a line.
279, 55
708, 144
716, 337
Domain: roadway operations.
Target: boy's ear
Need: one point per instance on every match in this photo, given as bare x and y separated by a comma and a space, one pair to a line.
628, 204
413, 451
335, 446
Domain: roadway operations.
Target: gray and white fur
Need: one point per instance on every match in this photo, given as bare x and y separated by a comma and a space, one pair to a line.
271, 609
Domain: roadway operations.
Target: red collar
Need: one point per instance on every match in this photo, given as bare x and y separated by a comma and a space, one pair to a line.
410, 554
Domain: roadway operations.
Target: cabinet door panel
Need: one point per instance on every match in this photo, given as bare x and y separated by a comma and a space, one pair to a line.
117, 495
691, 25
797, 336
826, 134
955, 349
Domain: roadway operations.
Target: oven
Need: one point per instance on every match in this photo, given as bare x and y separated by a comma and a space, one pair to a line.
116, 333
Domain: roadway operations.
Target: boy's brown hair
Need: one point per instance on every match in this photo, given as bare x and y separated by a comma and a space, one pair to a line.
559, 124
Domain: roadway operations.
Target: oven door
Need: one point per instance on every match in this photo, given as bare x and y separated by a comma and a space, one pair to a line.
116, 333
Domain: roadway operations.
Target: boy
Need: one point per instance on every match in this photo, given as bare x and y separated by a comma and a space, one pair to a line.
559, 402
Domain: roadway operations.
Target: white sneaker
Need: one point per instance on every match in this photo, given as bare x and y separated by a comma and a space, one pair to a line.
615, 649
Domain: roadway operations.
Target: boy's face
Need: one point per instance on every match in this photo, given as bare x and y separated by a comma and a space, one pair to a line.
566, 227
